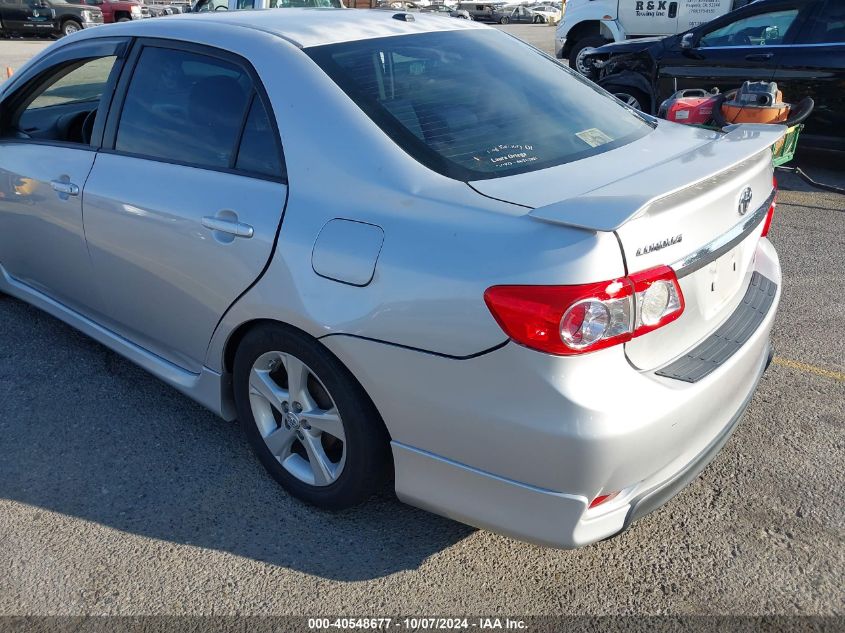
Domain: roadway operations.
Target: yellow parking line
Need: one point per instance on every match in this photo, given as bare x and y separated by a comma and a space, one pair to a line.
810, 369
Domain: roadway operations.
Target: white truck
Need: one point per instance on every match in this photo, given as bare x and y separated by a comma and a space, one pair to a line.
587, 24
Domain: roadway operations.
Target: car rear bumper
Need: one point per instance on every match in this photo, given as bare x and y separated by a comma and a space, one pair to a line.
520, 442
650, 500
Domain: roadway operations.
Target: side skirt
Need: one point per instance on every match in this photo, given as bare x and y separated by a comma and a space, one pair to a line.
206, 388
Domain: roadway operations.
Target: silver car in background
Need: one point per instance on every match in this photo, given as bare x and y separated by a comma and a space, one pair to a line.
406, 246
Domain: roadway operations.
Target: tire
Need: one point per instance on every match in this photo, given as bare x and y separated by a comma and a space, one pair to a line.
633, 97
579, 48
70, 27
504, 19
313, 465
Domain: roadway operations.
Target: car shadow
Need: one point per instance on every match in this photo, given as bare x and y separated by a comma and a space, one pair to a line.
85, 433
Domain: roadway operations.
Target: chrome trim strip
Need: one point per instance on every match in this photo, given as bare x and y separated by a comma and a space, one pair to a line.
767, 46
722, 244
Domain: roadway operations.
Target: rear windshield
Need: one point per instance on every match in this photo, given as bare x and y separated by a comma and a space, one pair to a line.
476, 104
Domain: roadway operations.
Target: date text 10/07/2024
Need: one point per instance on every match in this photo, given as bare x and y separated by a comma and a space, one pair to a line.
417, 624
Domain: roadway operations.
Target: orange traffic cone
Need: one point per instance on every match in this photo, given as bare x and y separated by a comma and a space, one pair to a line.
9, 72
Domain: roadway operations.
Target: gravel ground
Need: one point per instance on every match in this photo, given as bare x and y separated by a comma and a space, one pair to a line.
120, 496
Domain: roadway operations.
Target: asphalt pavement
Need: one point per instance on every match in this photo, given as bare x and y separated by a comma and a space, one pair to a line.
120, 496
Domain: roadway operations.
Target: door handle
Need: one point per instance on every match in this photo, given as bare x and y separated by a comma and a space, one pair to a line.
67, 188
230, 227
759, 57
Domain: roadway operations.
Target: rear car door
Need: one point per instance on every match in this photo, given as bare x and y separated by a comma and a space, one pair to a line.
185, 200
814, 66
50, 123
728, 51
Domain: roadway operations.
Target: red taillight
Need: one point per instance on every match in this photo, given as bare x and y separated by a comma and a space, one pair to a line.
602, 499
569, 320
771, 214
659, 299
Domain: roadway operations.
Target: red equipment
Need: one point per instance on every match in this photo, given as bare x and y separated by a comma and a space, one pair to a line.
692, 106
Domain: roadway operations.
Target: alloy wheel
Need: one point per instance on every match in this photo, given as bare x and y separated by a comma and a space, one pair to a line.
628, 99
297, 418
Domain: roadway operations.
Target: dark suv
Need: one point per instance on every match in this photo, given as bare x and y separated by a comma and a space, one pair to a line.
46, 17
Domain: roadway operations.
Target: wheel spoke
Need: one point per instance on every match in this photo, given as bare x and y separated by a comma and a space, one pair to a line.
287, 414
326, 421
297, 380
261, 383
320, 465
280, 441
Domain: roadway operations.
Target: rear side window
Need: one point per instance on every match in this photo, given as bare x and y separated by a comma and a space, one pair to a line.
828, 27
184, 107
475, 104
258, 152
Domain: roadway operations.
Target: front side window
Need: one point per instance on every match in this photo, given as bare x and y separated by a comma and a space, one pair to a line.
763, 29
64, 107
184, 107
477, 104
82, 82
213, 5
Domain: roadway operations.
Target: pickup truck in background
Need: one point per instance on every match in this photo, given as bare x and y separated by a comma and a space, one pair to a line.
120, 10
44, 18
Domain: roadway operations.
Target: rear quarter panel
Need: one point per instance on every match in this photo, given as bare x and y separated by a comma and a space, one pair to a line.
444, 243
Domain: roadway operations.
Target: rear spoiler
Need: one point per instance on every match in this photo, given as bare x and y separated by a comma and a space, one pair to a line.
609, 207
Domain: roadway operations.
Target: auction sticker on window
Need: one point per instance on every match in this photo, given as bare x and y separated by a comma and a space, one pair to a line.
511, 155
593, 137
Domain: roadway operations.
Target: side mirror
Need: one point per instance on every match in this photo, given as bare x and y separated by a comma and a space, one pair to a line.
688, 41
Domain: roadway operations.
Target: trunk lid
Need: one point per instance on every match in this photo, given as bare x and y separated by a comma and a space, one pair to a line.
682, 197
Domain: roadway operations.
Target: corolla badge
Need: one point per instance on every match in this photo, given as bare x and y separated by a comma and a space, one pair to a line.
650, 248
744, 201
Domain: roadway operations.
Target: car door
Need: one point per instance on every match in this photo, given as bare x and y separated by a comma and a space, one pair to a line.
184, 202
814, 66
13, 14
728, 51
39, 16
49, 125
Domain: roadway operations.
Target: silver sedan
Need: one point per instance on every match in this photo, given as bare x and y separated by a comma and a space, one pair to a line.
397, 246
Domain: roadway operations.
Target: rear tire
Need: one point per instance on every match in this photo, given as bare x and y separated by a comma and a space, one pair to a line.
582, 46
294, 427
504, 19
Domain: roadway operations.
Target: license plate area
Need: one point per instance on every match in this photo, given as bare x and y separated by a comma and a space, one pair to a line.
711, 292
718, 283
